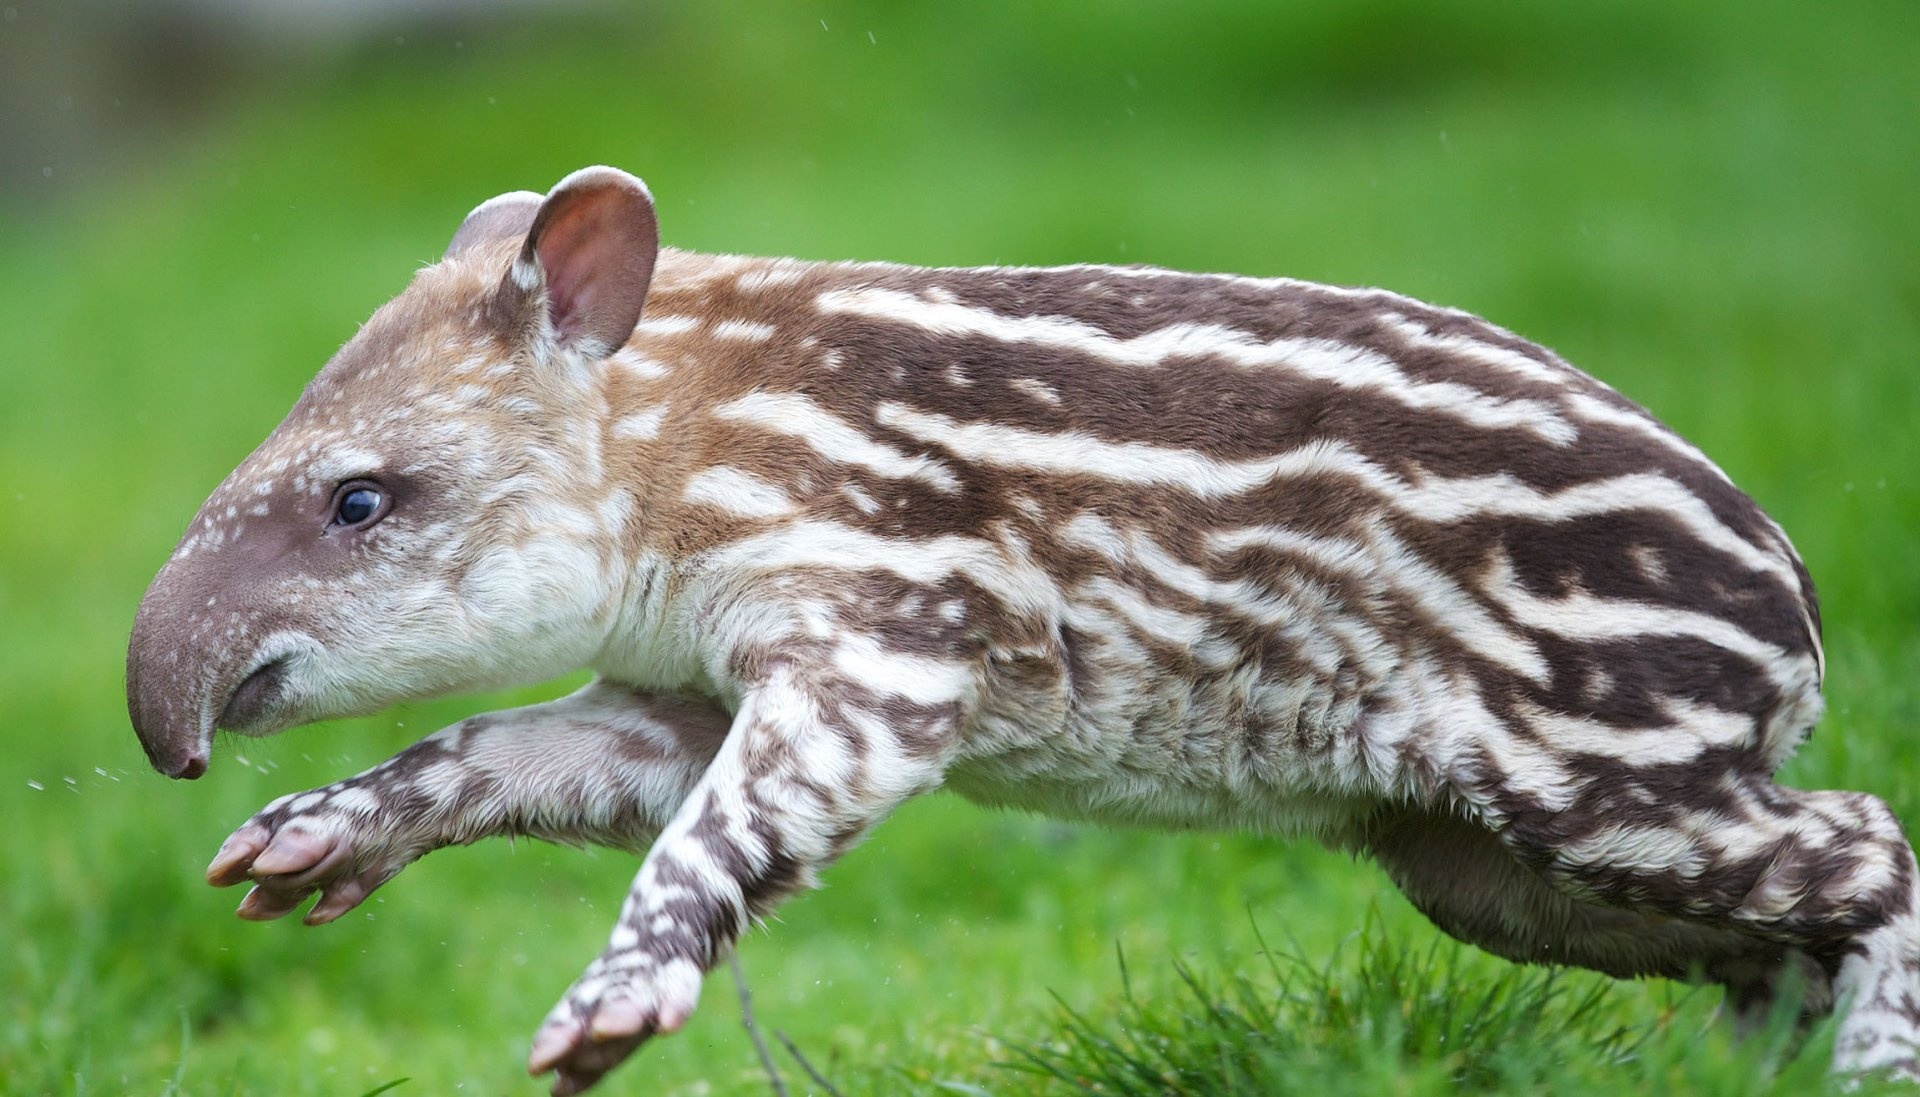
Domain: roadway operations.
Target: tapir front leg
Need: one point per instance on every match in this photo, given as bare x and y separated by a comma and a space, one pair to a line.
815, 759
603, 766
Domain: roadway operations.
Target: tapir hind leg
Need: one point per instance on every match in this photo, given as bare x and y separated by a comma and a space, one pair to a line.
1469, 883
1729, 854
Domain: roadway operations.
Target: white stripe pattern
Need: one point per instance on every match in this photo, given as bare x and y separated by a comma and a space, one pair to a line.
737, 492
831, 437
1342, 364
1431, 499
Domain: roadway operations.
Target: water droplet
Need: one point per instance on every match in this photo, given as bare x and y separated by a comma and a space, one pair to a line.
34, 785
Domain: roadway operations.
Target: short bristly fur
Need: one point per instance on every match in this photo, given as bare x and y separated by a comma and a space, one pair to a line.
1118, 544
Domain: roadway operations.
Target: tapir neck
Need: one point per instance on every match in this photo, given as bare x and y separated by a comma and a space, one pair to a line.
714, 329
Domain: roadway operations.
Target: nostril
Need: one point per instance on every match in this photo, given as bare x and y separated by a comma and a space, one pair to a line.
253, 696
192, 768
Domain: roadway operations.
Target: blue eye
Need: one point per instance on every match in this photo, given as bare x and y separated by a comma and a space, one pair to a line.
357, 505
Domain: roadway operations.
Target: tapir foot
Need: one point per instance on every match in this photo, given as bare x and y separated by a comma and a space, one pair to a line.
622, 1000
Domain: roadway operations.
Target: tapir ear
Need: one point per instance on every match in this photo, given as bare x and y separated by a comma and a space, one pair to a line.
508, 216
591, 247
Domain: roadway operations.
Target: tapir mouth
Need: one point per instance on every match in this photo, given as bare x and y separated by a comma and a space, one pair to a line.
254, 698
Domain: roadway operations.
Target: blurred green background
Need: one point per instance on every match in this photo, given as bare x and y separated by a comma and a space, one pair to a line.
1710, 205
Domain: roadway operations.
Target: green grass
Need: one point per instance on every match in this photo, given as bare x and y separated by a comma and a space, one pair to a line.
1381, 1017
1708, 205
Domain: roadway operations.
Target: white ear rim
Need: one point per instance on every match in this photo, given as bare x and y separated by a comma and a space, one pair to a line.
528, 275
491, 220
526, 271
602, 173
514, 196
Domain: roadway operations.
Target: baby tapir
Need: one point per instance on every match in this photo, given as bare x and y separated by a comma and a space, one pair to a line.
1118, 544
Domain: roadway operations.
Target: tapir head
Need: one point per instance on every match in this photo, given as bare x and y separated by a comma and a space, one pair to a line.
431, 515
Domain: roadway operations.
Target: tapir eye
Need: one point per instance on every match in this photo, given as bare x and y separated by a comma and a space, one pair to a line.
358, 503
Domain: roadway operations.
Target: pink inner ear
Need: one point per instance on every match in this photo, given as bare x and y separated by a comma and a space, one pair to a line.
572, 251
596, 249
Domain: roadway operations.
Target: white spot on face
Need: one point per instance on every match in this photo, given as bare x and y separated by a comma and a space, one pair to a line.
955, 376
343, 461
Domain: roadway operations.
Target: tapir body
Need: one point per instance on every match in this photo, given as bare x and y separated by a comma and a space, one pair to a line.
1119, 544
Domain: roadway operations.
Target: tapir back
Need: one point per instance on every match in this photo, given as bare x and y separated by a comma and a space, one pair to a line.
1265, 528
